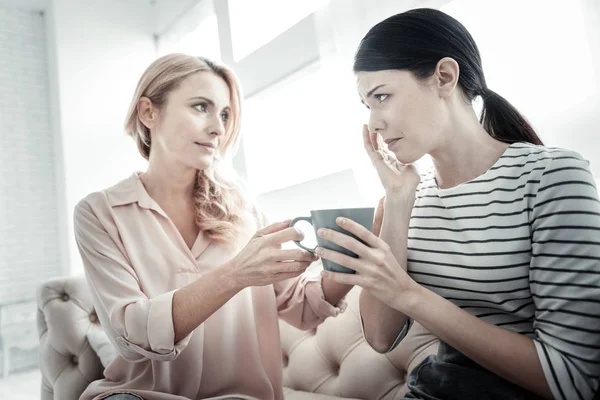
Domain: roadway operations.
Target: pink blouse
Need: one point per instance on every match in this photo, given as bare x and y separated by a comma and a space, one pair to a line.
135, 259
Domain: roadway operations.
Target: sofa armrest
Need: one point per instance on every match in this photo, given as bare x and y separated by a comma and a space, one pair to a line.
67, 361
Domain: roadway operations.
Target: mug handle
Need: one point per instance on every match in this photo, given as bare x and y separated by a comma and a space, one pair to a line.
309, 220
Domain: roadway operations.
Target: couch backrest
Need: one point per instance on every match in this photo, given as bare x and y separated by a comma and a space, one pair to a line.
333, 359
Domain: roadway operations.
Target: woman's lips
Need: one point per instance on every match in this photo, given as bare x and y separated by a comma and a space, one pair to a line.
392, 142
208, 146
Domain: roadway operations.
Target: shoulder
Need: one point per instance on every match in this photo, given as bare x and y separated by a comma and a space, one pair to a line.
101, 201
529, 156
531, 167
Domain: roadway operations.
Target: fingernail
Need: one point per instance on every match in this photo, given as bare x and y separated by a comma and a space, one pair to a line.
318, 251
341, 220
321, 232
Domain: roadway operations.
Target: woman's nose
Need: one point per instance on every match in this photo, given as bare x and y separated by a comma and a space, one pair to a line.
218, 128
375, 124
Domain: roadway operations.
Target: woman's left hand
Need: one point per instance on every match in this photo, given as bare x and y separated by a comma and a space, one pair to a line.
377, 270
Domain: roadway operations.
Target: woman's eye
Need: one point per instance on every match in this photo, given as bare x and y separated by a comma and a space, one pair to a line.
380, 97
200, 107
225, 116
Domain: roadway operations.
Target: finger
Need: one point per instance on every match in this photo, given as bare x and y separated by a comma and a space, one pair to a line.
287, 267
295, 255
274, 227
287, 275
390, 155
378, 218
359, 231
374, 142
370, 146
341, 259
381, 146
411, 167
378, 157
367, 139
285, 235
346, 279
344, 240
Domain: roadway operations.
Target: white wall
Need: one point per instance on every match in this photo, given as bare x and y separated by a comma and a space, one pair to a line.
551, 75
97, 52
29, 237
28, 194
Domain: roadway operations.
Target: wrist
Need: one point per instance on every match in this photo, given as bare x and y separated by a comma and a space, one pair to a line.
413, 300
401, 198
230, 277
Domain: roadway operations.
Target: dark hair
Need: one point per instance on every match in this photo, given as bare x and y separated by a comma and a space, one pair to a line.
416, 40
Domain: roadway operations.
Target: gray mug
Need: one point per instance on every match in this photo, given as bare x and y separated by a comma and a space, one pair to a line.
326, 219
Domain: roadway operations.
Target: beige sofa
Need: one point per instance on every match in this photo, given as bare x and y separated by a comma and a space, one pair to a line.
331, 362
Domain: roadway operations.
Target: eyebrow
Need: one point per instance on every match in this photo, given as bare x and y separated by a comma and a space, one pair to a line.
209, 101
370, 92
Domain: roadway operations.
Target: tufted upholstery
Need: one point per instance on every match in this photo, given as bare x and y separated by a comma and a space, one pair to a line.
65, 314
333, 360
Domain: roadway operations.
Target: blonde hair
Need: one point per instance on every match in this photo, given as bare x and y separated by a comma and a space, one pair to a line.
220, 204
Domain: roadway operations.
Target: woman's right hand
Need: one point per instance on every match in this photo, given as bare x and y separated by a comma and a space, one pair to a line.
263, 261
396, 178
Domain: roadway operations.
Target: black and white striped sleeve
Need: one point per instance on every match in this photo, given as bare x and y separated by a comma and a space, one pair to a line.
565, 276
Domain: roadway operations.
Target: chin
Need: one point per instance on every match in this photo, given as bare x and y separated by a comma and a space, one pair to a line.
201, 163
407, 158
203, 166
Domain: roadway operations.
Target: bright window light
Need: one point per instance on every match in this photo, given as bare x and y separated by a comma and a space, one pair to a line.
257, 22
204, 40
535, 53
301, 129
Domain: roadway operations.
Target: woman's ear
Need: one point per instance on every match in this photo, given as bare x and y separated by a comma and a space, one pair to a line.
147, 112
446, 75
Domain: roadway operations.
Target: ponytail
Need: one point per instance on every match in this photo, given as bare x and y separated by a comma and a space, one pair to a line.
503, 122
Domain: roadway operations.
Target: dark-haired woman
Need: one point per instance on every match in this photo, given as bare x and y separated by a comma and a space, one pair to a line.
496, 250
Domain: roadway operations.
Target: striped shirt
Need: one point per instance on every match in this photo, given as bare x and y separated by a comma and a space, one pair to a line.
519, 247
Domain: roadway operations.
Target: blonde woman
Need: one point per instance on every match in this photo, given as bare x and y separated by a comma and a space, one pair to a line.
187, 281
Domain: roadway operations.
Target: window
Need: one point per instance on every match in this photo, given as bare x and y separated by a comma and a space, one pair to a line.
196, 34
532, 63
303, 128
204, 40
543, 64
255, 23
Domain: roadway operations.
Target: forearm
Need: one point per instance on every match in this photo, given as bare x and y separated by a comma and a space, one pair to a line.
508, 354
334, 292
383, 323
194, 303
